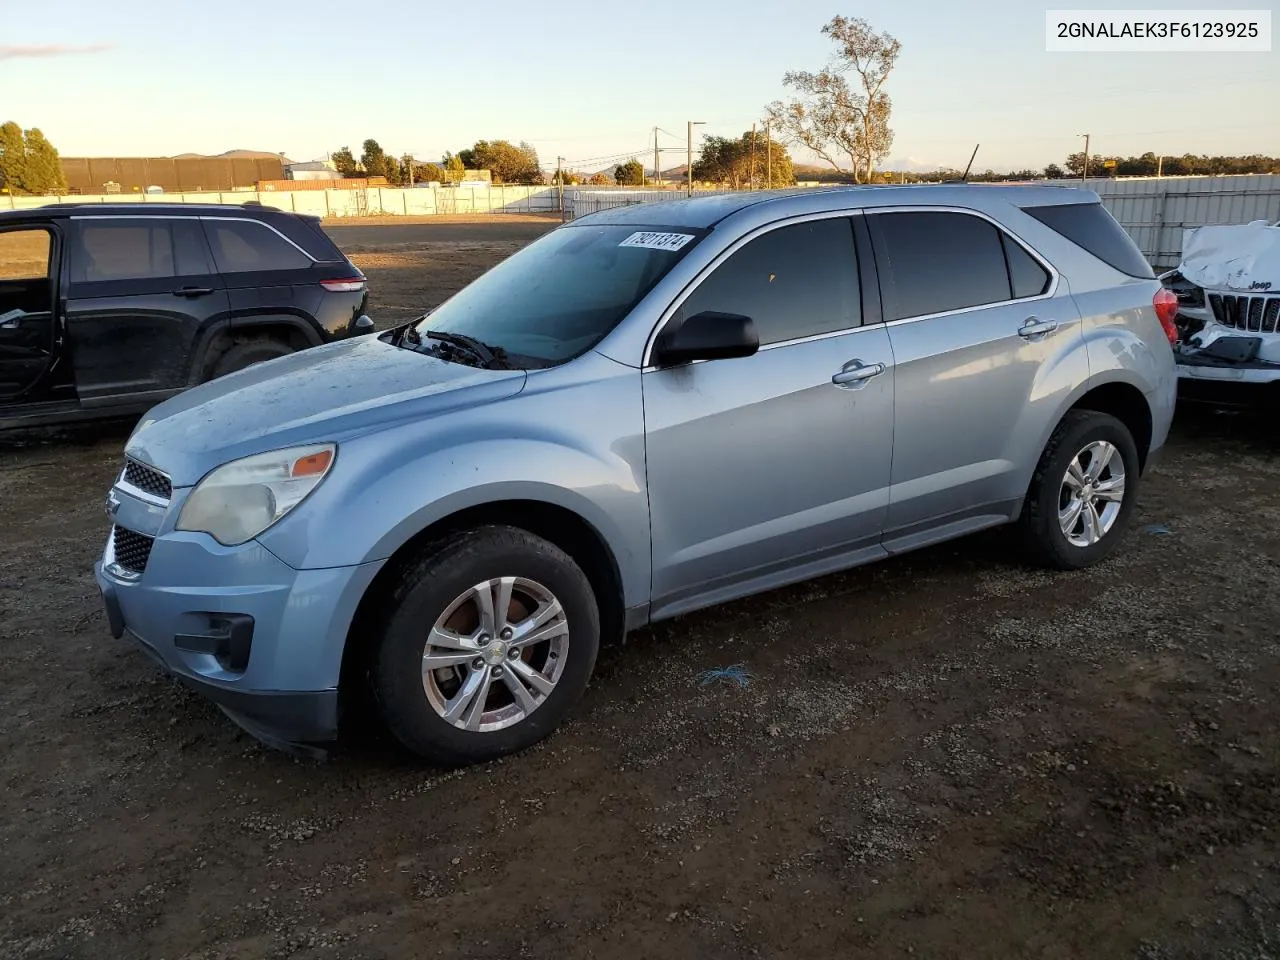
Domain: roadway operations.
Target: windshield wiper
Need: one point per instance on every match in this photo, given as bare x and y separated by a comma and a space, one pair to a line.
490, 357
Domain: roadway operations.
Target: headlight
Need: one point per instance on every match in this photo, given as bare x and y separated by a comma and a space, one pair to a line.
239, 500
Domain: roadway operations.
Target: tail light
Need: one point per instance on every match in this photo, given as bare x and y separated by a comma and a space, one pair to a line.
347, 285
1166, 305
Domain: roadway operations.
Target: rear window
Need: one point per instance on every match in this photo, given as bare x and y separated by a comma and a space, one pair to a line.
1090, 226
245, 246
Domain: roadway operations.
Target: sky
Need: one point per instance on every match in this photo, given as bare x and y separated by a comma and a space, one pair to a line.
133, 78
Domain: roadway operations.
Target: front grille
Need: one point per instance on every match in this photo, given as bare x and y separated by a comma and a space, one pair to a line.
130, 549
1252, 314
147, 479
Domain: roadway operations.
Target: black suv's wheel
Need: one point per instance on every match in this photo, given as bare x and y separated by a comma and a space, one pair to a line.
247, 354
488, 641
1083, 491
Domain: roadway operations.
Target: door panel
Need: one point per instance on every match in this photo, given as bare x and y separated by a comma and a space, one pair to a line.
970, 407
142, 290
974, 375
27, 314
763, 464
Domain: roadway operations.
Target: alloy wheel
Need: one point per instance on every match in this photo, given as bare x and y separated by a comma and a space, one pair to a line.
495, 654
1092, 494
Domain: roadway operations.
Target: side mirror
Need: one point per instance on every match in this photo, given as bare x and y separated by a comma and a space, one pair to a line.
706, 336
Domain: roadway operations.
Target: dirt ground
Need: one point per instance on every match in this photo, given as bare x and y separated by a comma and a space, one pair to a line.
946, 755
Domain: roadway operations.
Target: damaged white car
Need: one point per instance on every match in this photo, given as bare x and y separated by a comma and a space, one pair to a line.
1228, 290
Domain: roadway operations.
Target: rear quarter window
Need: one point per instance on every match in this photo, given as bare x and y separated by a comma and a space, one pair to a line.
246, 246
1091, 227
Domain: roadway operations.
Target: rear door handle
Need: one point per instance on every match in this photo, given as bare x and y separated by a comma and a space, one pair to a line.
192, 291
1035, 327
855, 374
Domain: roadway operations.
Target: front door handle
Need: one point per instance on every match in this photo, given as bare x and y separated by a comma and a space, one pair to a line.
855, 374
1034, 327
192, 291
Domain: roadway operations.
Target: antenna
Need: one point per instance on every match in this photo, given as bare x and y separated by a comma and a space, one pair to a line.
965, 178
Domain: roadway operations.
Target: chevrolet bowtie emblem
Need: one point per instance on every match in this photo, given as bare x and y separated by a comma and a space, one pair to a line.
113, 506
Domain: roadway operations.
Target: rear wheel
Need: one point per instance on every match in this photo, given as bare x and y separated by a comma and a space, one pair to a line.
1083, 491
489, 640
244, 355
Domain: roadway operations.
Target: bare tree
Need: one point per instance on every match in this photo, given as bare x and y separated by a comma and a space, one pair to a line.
841, 123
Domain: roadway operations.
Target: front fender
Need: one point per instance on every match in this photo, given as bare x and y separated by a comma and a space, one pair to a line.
388, 487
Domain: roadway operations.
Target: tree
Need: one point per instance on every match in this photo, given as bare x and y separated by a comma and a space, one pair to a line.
599, 180
506, 162
629, 174
376, 163
454, 168
28, 162
838, 122
345, 163
1054, 172
743, 162
566, 177
428, 172
44, 169
13, 159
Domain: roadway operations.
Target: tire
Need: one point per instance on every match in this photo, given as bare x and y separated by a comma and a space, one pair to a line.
246, 354
413, 701
1048, 543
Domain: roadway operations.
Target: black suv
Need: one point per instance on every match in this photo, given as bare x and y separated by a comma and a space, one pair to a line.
107, 309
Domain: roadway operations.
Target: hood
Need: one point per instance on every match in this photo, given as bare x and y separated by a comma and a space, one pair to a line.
1244, 258
328, 393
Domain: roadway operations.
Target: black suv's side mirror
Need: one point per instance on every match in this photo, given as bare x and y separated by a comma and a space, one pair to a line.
706, 336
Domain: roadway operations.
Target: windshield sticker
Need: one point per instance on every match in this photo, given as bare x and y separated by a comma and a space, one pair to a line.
657, 241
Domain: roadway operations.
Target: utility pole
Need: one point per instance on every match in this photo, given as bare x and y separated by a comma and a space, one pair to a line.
1159, 167
1084, 169
751, 178
768, 158
560, 185
689, 156
657, 171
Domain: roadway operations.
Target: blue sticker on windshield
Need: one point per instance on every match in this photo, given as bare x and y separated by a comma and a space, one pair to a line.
657, 241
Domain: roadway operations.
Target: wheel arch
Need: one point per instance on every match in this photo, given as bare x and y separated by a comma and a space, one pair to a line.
294, 331
557, 524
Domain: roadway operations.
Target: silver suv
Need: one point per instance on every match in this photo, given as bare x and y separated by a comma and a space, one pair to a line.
645, 412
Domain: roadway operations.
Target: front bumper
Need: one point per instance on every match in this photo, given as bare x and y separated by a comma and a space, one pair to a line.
261, 640
1241, 384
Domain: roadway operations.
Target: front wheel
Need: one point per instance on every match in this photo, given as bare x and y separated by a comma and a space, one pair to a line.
490, 639
1083, 491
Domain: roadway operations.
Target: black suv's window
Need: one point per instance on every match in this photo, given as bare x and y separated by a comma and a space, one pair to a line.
137, 249
795, 281
241, 246
933, 262
1090, 226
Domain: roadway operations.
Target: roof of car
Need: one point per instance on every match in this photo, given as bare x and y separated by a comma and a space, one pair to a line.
706, 211
56, 210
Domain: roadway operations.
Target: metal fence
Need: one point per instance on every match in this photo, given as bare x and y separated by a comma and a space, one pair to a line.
1155, 211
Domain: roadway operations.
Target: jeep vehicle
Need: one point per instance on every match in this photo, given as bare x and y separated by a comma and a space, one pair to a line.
107, 309
646, 411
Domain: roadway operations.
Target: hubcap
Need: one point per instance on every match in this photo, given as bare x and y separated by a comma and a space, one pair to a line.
495, 654
1092, 494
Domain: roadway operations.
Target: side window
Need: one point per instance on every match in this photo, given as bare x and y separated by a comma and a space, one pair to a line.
242, 246
796, 281
141, 249
934, 262
1026, 276
24, 255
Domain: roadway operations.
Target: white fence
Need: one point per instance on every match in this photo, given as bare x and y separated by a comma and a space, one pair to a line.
374, 201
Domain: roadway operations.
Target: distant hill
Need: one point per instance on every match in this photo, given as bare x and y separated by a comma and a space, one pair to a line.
235, 155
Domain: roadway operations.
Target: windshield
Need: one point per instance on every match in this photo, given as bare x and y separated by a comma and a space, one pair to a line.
559, 296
